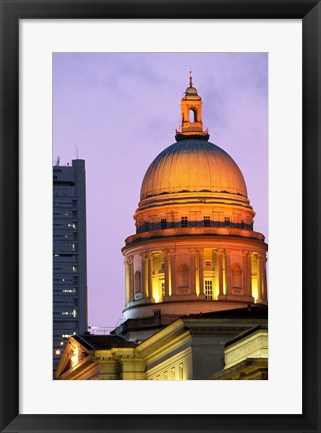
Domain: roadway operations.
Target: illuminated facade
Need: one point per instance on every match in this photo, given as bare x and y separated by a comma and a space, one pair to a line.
190, 348
69, 254
246, 356
195, 249
195, 273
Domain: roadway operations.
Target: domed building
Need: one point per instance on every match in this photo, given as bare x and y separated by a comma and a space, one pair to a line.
195, 250
196, 293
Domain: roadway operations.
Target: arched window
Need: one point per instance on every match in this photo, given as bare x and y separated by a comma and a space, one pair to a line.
192, 115
183, 276
138, 282
236, 276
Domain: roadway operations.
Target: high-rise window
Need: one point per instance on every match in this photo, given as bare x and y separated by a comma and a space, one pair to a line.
227, 222
209, 290
163, 223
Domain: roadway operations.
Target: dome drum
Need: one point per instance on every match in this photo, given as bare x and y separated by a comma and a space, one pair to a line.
162, 272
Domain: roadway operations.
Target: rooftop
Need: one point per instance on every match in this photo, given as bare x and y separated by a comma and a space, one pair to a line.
102, 342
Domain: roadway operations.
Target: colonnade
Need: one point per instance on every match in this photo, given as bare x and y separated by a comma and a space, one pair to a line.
146, 284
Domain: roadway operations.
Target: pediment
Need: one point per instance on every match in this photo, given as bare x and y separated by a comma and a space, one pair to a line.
73, 356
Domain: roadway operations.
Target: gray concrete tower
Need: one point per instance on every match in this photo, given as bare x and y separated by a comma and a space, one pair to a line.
69, 254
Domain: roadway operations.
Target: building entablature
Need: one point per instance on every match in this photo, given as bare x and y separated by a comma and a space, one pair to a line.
216, 236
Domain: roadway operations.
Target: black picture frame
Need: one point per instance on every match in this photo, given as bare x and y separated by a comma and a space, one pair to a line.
11, 12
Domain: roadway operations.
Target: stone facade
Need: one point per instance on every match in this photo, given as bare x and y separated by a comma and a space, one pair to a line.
190, 348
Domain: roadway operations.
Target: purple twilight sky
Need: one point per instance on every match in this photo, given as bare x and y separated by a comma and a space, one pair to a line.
118, 111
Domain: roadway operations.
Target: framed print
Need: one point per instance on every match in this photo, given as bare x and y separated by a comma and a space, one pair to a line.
41, 39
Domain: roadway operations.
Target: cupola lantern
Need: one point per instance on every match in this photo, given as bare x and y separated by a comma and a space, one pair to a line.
191, 115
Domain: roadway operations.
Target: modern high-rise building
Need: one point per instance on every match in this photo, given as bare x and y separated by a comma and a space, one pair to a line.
69, 254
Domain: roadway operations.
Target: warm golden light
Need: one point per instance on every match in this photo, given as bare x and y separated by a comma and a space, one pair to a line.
58, 352
254, 281
75, 356
224, 272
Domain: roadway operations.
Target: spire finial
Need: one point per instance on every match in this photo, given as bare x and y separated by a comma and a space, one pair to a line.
190, 78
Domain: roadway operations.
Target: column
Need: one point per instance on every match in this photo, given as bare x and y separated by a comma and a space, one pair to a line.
245, 274
220, 274
228, 271
265, 297
173, 273
166, 266
131, 278
259, 278
249, 273
201, 272
144, 276
127, 282
193, 270
150, 275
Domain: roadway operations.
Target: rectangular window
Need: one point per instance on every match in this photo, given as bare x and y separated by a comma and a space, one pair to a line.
183, 221
157, 312
207, 221
242, 224
227, 222
163, 289
165, 375
207, 263
163, 223
209, 290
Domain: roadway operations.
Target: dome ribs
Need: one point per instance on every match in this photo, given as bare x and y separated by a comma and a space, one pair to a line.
193, 165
